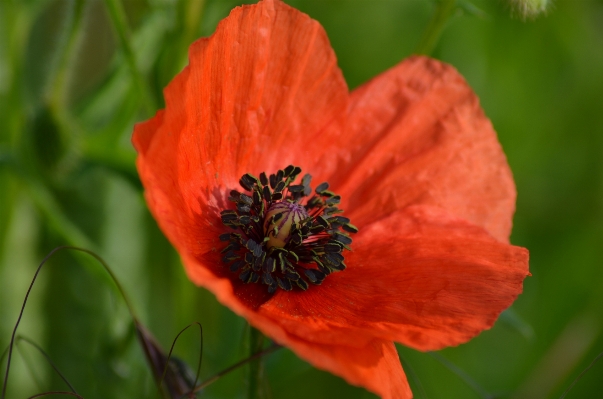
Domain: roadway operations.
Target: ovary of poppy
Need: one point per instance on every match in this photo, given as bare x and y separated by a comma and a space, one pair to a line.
417, 164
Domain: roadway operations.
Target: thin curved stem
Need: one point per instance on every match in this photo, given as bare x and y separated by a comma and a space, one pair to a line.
108, 270
443, 12
48, 359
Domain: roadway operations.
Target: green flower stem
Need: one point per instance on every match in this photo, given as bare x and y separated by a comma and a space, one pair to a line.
444, 9
256, 344
117, 15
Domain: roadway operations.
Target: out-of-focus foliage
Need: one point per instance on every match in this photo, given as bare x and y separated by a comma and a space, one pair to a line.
70, 94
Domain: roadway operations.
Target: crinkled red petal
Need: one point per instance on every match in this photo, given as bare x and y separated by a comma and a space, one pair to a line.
420, 277
416, 135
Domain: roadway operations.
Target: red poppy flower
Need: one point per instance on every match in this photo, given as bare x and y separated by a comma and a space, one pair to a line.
417, 164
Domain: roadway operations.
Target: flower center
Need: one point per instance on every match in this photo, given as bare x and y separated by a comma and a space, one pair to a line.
284, 236
289, 213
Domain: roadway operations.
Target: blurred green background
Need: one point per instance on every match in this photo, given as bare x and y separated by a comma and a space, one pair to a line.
76, 75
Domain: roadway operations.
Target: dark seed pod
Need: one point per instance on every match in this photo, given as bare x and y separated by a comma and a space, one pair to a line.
245, 275
302, 284
332, 247
266, 193
246, 183
229, 257
249, 258
306, 180
311, 275
247, 200
341, 219
272, 288
243, 208
273, 181
342, 239
270, 265
333, 200
284, 283
322, 187
268, 279
279, 187
350, 228
257, 198
235, 194
322, 221
236, 266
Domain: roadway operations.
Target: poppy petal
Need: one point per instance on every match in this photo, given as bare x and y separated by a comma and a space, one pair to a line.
371, 363
375, 366
416, 135
250, 92
419, 277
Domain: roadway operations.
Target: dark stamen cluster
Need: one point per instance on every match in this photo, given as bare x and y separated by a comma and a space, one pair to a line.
313, 242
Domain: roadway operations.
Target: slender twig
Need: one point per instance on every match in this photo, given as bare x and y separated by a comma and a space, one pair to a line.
235, 366
54, 366
462, 375
29, 366
444, 9
595, 360
12, 340
172, 349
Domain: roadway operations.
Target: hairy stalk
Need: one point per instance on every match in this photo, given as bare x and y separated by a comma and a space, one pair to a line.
235, 366
256, 343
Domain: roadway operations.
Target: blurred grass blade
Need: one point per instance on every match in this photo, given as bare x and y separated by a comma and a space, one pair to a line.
512, 319
58, 80
118, 17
